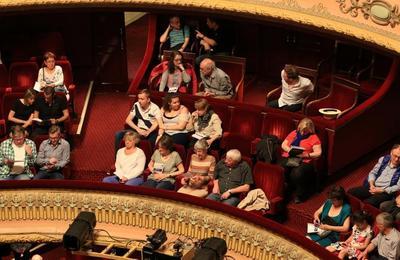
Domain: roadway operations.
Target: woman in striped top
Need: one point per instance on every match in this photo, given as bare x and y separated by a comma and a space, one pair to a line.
201, 171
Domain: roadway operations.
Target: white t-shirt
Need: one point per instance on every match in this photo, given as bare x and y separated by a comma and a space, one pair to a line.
151, 114
19, 159
295, 94
130, 166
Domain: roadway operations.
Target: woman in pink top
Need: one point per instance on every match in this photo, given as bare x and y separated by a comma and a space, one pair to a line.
300, 148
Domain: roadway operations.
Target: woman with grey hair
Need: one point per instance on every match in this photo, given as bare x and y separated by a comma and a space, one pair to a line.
200, 172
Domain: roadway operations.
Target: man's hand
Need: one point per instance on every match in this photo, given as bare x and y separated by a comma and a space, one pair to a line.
209, 141
53, 160
53, 121
208, 94
9, 162
146, 133
375, 190
141, 132
199, 35
364, 255
225, 195
28, 150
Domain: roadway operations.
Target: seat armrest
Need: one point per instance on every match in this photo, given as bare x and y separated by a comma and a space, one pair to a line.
273, 94
71, 88
253, 146
146, 174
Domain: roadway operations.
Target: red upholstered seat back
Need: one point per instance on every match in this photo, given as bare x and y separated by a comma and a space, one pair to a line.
343, 97
223, 111
67, 71
277, 124
246, 121
3, 76
180, 149
23, 75
269, 178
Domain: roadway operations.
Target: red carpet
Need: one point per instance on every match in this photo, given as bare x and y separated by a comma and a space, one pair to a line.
136, 39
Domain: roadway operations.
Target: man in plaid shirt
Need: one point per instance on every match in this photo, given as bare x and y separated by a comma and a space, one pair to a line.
17, 155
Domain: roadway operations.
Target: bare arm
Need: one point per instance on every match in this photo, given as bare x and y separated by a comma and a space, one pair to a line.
12, 118
164, 36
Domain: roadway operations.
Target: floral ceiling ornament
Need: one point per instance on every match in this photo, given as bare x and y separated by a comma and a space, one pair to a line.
379, 11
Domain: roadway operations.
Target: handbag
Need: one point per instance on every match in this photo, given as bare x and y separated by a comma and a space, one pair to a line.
293, 162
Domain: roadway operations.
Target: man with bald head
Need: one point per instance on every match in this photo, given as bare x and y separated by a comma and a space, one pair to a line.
383, 181
216, 82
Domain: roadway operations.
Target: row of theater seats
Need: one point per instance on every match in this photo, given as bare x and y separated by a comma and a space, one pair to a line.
268, 177
22, 75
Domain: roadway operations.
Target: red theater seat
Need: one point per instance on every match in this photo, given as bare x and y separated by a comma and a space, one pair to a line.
343, 96
23, 75
311, 74
270, 178
244, 127
68, 79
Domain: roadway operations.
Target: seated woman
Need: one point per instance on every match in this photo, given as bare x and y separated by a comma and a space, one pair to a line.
206, 124
201, 171
175, 118
332, 218
51, 75
175, 76
22, 110
164, 165
297, 162
130, 162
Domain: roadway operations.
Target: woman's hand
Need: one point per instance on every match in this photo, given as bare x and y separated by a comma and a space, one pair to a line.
160, 176
324, 227
317, 221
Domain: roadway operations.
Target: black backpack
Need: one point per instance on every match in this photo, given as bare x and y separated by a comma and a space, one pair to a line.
266, 148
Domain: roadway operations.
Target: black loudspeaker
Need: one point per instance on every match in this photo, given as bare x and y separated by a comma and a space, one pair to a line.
212, 248
79, 231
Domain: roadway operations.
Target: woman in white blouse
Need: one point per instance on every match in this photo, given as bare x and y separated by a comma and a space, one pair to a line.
130, 162
51, 75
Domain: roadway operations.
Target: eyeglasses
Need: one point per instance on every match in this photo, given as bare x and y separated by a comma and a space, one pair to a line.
178, 59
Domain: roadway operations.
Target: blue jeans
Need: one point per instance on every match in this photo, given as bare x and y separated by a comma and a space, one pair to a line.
43, 174
165, 185
131, 182
232, 201
16, 177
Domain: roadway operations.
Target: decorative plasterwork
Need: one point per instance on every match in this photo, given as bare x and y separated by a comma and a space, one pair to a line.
140, 211
321, 14
381, 12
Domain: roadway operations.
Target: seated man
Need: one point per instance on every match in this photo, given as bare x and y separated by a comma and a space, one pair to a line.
178, 35
295, 89
383, 180
17, 155
53, 155
386, 245
216, 82
216, 40
232, 176
392, 207
50, 110
144, 118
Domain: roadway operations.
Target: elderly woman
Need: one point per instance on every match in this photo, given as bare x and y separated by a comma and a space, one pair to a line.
130, 162
51, 75
300, 148
201, 171
206, 124
332, 218
175, 76
174, 121
21, 113
165, 165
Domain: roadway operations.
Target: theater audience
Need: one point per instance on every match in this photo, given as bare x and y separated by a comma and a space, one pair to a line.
165, 165
333, 217
360, 237
143, 118
51, 110
383, 180
175, 76
299, 169
200, 172
386, 245
53, 155
216, 82
17, 155
21, 113
392, 207
295, 89
174, 120
217, 40
206, 124
129, 163
232, 176
177, 34
51, 75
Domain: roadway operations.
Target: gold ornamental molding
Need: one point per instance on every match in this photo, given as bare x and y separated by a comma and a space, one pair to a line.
381, 12
137, 211
318, 14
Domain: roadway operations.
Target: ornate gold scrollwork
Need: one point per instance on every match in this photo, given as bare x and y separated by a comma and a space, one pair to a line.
380, 11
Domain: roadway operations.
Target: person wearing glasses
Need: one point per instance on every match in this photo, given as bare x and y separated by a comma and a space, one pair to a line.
175, 76
17, 155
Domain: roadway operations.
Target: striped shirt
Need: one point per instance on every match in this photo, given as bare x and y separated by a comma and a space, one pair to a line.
202, 167
178, 36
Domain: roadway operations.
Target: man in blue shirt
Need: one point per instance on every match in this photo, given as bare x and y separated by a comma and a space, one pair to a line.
177, 34
383, 180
